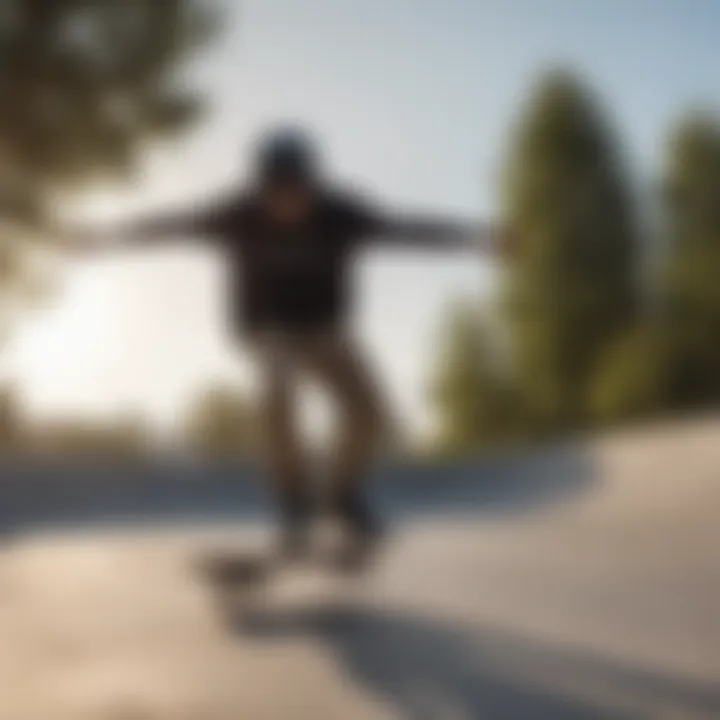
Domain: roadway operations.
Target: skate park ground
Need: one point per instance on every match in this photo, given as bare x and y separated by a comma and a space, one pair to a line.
577, 581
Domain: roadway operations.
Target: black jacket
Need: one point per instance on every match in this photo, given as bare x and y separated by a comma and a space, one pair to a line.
299, 279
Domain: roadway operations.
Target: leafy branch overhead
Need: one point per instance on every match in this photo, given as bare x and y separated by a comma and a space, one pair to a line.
83, 83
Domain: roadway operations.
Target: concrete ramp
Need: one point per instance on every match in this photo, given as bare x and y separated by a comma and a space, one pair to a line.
570, 584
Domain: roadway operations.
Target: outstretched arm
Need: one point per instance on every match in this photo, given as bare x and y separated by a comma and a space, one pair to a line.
434, 232
149, 231
427, 231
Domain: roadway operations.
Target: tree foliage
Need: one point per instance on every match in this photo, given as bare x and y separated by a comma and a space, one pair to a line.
573, 288
84, 85
467, 392
220, 423
690, 291
632, 380
83, 82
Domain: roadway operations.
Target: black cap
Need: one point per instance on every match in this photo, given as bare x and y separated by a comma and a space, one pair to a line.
287, 155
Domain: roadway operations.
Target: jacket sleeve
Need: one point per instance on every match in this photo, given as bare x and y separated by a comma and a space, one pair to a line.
199, 223
379, 226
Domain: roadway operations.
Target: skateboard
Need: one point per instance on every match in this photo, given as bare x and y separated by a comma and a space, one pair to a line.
244, 584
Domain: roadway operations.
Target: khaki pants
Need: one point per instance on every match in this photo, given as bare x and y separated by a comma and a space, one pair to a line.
334, 362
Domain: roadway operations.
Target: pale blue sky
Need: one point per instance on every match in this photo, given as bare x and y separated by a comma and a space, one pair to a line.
413, 98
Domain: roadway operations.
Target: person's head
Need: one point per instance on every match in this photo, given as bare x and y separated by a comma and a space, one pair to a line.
287, 173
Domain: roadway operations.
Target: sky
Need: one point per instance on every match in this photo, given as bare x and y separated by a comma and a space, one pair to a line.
412, 99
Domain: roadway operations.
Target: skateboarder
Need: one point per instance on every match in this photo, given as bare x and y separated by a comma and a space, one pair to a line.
290, 237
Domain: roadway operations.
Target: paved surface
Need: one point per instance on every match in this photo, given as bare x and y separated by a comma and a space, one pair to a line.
569, 585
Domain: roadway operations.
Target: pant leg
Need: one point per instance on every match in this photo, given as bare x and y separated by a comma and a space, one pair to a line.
336, 362
282, 453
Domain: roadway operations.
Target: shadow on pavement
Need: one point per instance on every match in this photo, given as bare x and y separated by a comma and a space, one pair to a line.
426, 670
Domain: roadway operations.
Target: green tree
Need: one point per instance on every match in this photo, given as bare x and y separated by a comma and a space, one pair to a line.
11, 424
632, 382
220, 423
572, 290
467, 391
83, 87
690, 291
125, 438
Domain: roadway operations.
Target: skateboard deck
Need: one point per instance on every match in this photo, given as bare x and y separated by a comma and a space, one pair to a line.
246, 585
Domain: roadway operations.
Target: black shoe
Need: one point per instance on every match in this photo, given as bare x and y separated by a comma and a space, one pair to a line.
296, 521
362, 529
